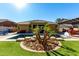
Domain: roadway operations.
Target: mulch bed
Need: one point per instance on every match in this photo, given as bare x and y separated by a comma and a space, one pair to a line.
34, 45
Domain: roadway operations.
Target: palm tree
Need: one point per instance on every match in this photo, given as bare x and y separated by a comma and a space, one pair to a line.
45, 43
37, 33
47, 35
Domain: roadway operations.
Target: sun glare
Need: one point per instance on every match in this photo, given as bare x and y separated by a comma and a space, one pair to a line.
20, 4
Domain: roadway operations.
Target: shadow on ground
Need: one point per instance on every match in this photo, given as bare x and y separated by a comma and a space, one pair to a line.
56, 53
68, 48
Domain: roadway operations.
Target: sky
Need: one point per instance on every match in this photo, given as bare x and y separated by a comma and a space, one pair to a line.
38, 11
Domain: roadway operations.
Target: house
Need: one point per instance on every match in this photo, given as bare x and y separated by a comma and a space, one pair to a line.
29, 25
69, 23
5, 23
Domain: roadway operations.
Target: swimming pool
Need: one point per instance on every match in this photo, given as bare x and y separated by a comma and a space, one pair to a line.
20, 36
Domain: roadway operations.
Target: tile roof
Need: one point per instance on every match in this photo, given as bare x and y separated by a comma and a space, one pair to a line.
36, 21
2, 20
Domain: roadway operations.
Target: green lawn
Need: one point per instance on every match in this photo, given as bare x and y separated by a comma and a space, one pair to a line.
69, 48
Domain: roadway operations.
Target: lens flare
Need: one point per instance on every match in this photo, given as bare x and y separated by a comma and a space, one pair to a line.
20, 4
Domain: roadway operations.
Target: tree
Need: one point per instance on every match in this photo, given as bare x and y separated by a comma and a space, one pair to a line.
47, 29
47, 35
37, 33
58, 20
45, 43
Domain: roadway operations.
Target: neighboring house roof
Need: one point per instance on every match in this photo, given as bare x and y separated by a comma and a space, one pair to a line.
51, 22
2, 20
71, 21
65, 25
7, 23
25, 22
36, 21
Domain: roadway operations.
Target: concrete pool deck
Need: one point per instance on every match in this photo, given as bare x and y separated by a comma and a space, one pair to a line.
9, 35
6, 37
68, 39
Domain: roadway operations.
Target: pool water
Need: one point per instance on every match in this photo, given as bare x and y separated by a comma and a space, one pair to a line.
20, 36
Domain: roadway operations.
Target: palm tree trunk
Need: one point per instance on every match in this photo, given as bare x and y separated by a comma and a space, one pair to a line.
38, 38
46, 37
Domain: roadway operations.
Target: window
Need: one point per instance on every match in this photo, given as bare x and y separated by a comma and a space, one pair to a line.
34, 26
